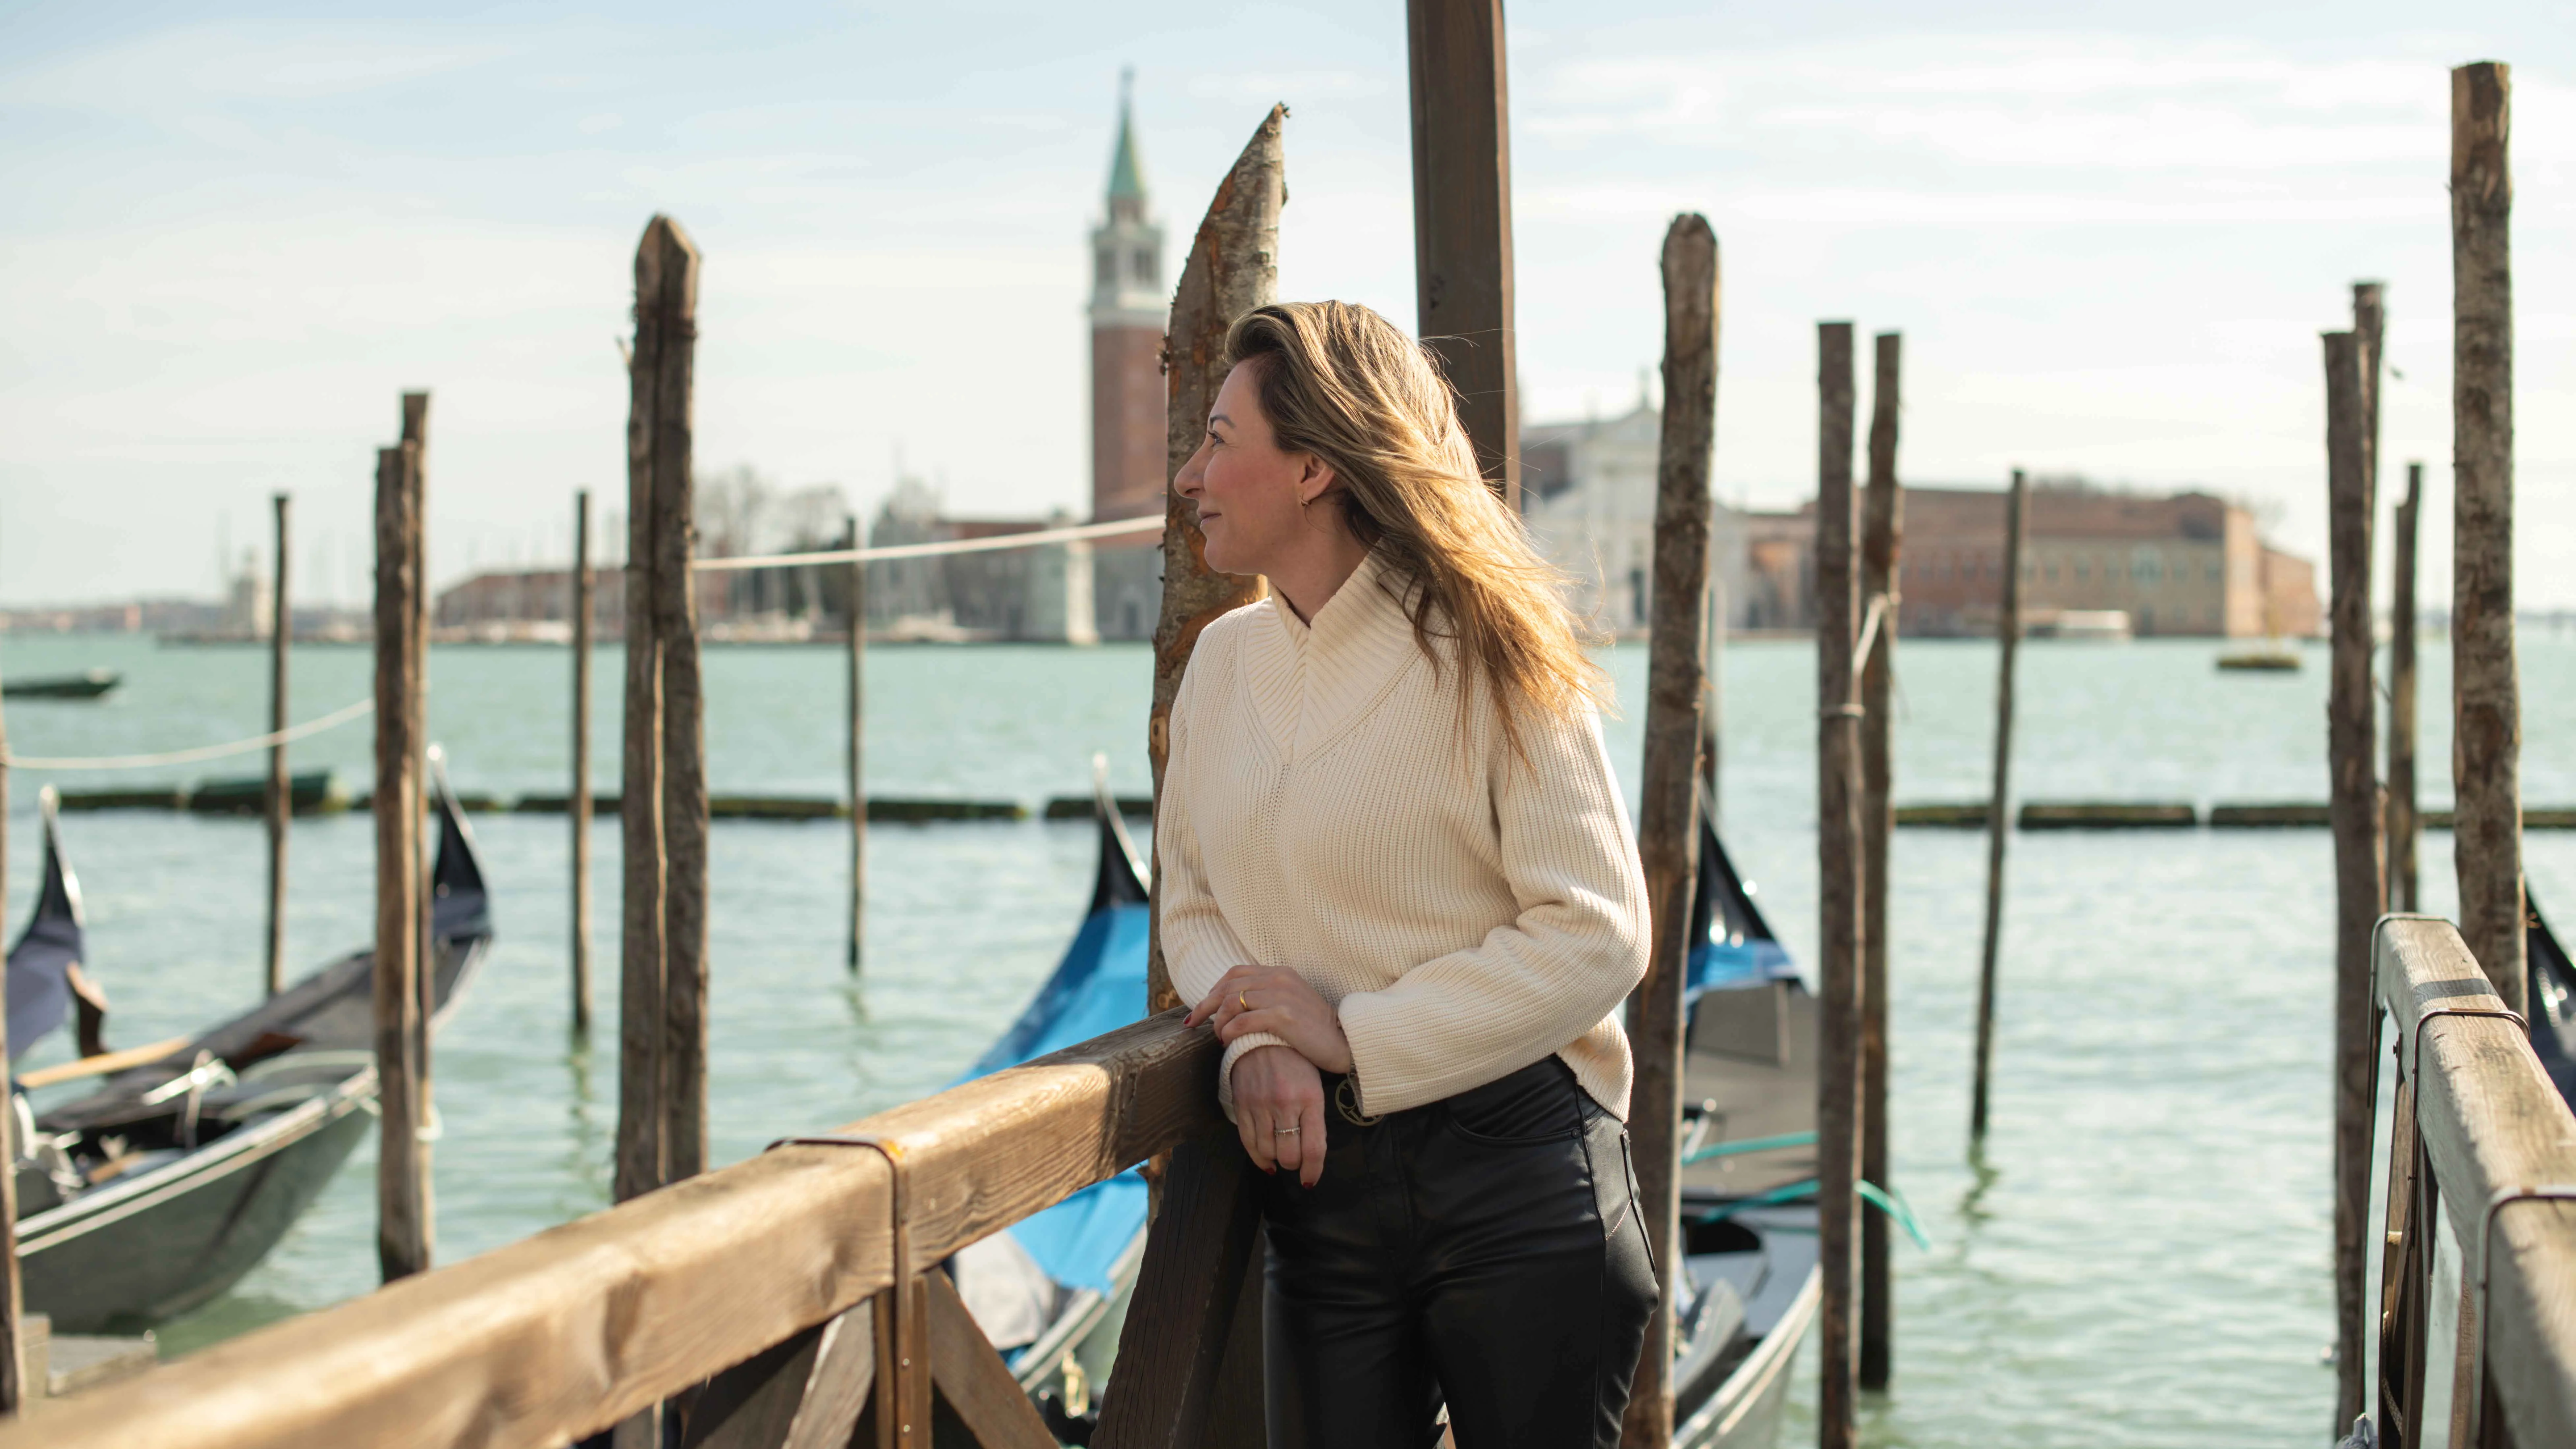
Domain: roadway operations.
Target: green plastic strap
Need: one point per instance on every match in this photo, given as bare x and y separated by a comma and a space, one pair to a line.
1889, 1202
1751, 1144
1897, 1208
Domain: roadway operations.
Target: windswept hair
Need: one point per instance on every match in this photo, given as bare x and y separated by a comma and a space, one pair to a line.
1340, 382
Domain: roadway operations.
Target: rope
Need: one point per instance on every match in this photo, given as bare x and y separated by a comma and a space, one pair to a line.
289, 735
1112, 529
1869, 632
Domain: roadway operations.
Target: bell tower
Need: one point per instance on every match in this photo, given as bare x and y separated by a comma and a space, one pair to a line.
1130, 305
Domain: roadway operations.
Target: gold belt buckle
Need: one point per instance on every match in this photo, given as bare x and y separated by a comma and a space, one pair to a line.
1348, 1102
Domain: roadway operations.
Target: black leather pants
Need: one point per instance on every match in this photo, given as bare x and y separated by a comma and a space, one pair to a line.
1484, 1251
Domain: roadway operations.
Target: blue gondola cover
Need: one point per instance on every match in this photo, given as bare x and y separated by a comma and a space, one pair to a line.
1099, 986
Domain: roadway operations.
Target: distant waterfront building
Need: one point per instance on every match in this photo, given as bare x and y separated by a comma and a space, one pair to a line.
533, 606
2178, 564
2183, 564
1130, 306
249, 606
1040, 595
1588, 497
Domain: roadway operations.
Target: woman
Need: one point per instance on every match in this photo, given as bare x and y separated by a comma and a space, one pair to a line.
1398, 875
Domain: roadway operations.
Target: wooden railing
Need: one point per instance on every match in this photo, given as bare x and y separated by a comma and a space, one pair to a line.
2480, 1137
732, 1292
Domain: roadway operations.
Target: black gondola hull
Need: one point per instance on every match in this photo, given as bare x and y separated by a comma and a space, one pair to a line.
120, 1259
235, 1133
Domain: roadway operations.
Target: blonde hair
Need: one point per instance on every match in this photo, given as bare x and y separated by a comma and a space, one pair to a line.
1340, 382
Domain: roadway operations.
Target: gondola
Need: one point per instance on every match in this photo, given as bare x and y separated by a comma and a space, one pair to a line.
1052, 1291
2552, 999
159, 1188
88, 684
1748, 1179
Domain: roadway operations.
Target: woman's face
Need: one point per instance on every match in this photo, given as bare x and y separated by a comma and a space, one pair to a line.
1246, 488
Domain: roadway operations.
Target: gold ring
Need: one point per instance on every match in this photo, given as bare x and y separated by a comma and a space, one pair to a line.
1240, 1004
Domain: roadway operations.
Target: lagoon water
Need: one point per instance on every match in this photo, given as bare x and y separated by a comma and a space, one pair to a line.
2140, 1257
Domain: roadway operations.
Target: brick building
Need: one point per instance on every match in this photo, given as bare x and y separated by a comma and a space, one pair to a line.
2180, 564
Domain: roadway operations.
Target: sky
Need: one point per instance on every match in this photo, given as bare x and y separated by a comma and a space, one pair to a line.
232, 235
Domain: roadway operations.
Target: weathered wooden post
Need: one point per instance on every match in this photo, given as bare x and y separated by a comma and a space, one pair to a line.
13, 1356
2486, 692
661, 1087
580, 799
1712, 668
1668, 832
684, 736
415, 454
2354, 809
280, 787
1193, 1338
856, 587
1462, 222
2369, 331
1998, 814
1233, 267
1839, 890
402, 1159
2405, 828
661, 1125
1882, 535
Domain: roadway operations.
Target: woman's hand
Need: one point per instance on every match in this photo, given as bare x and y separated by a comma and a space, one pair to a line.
1278, 1001
1279, 1110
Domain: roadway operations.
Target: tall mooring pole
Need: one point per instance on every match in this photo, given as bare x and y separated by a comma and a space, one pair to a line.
1712, 720
582, 611
662, 1028
1998, 806
2486, 690
2353, 807
1882, 534
855, 594
280, 802
13, 1349
403, 1232
1839, 890
1462, 222
2405, 827
661, 1124
1668, 831
1202, 1276
1233, 267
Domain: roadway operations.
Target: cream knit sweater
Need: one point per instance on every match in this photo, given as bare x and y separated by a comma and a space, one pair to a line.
1468, 914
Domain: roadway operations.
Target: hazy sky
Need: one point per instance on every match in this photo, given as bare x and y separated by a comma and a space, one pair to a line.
2110, 234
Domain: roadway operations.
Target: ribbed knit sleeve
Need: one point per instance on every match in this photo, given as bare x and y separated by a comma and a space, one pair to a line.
1553, 974
1198, 945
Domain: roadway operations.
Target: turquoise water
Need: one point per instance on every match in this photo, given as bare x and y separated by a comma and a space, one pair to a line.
2141, 1257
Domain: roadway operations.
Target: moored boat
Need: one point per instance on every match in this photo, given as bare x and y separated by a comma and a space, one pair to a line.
1748, 1169
88, 684
2551, 997
186, 1162
1051, 1291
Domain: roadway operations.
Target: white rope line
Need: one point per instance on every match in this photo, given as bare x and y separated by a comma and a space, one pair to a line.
289, 735
1151, 523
